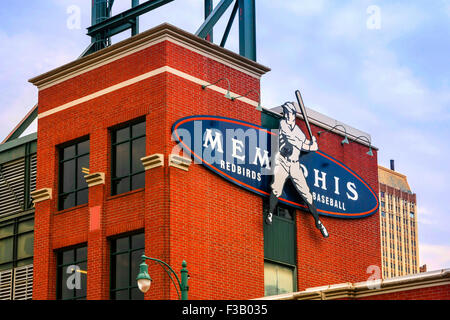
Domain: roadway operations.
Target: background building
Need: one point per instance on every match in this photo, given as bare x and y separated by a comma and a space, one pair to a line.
17, 181
398, 224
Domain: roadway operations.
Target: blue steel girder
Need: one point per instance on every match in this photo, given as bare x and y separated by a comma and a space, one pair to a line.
208, 10
230, 24
110, 5
135, 24
247, 29
124, 17
212, 19
247, 25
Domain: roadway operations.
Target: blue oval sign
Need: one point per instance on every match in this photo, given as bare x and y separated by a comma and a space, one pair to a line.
241, 152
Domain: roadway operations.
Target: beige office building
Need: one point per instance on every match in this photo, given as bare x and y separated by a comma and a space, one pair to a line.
398, 224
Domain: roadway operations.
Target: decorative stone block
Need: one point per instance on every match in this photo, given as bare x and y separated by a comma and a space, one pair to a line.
179, 162
41, 195
153, 161
95, 179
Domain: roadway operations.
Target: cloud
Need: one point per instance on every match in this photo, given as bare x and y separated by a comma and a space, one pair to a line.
298, 8
425, 216
436, 257
396, 89
16, 110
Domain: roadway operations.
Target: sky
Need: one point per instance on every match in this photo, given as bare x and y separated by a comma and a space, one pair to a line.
381, 66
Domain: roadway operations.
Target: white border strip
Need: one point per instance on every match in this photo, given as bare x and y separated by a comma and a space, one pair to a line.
136, 80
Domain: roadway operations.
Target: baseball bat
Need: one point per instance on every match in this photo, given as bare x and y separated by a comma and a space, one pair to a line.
303, 110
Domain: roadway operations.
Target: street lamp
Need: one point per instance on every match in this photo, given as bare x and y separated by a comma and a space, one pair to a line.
227, 95
345, 141
259, 107
144, 280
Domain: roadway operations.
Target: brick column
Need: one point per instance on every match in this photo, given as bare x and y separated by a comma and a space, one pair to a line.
156, 227
98, 264
44, 261
157, 223
98, 254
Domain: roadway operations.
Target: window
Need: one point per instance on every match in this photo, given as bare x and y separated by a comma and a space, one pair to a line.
278, 279
16, 243
17, 180
128, 147
126, 255
71, 276
73, 189
280, 251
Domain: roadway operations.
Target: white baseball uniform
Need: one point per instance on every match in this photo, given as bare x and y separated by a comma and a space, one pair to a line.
287, 162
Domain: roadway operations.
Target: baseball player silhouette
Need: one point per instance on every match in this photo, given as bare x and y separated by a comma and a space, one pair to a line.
292, 142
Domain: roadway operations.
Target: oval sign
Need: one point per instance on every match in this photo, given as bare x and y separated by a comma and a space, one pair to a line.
241, 153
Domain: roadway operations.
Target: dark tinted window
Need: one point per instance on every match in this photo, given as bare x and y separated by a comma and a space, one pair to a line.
16, 243
128, 147
72, 274
126, 255
73, 189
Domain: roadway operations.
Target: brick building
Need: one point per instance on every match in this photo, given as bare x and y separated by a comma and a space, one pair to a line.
106, 112
110, 187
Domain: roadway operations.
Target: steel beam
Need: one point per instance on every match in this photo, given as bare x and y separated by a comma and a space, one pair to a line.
101, 10
247, 29
208, 10
135, 27
23, 125
110, 5
125, 17
230, 24
212, 19
121, 28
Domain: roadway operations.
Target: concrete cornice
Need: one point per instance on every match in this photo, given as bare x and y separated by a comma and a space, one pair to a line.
141, 41
328, 123
369, 288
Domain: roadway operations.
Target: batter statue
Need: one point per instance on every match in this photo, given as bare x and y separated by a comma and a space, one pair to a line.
292, 141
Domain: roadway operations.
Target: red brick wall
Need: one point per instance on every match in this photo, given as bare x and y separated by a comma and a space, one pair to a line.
152, 209
353, 244
196, 216
119, 214
216, 226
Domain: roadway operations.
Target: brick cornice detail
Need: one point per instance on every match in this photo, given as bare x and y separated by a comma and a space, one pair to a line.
153, 161
41, 195
95, 179
179, 162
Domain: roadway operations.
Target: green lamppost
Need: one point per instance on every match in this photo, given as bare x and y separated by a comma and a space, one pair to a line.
144, 281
